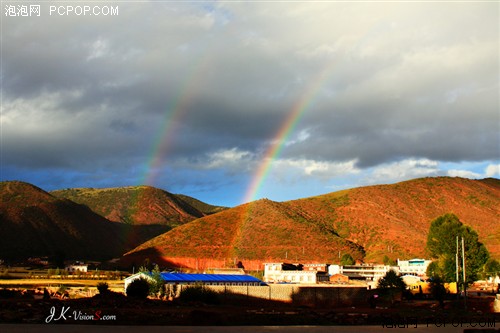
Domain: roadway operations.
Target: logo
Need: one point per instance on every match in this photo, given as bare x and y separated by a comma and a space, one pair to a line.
22, 10
65, 314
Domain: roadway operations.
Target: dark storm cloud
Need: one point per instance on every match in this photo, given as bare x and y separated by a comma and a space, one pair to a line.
406, 81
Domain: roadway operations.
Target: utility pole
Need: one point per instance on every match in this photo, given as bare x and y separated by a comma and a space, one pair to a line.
463, 264
456, 265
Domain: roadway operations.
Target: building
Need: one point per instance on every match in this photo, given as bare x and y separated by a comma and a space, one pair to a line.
416, 267
315, 267
411, 279
77, 268
362, 272
424, 288
339, 278
293, 273
225, 271
205, 279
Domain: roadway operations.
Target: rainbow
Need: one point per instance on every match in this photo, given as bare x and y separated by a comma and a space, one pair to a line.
286, 129
175, 111
303, 104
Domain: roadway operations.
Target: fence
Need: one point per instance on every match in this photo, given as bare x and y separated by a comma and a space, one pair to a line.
297, 295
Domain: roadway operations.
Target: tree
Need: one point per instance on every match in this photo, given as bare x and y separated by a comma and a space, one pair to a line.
157, 283
434, 270
346, 260
139, 288
441, 245
391, 284
491, 269
103, 287
389, 261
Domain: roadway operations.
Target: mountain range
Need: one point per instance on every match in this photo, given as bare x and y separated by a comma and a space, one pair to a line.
367, 222
148, 223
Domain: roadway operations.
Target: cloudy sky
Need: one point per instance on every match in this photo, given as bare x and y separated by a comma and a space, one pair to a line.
234, 101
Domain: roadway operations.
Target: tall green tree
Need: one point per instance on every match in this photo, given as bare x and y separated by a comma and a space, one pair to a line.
441, 245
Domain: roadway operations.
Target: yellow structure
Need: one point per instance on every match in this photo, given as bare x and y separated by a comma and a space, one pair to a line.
415, 288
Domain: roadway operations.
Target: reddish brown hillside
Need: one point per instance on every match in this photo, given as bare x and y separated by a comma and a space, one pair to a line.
390, 220
262, 230
394, 219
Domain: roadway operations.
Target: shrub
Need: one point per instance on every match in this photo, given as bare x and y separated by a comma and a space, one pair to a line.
7, 293
138, 288
199, 293
102, 287
347, 259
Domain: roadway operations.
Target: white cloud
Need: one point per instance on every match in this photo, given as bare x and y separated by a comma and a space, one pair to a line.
492, 170
301, 137
98, 49
403, 170
463, 174
232, 159
314, 169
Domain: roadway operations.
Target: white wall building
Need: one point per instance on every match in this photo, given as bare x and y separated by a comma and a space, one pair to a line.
366, 272
416, 267
77, 268
280, 272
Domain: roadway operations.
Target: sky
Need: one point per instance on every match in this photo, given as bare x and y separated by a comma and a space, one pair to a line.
231, 101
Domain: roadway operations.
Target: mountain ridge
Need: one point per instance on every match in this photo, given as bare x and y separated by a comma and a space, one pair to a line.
367, 222
376, 220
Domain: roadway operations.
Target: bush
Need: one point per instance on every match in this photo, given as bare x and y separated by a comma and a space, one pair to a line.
199, 293
7, 293
103, 287
62, 289
138, 288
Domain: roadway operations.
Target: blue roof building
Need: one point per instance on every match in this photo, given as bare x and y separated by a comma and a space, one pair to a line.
206, 279
213, 279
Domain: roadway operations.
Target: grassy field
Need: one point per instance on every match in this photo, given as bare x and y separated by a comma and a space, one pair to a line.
76, 288
67, 281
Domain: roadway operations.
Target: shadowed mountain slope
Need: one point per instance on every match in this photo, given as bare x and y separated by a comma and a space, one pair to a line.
36, 223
